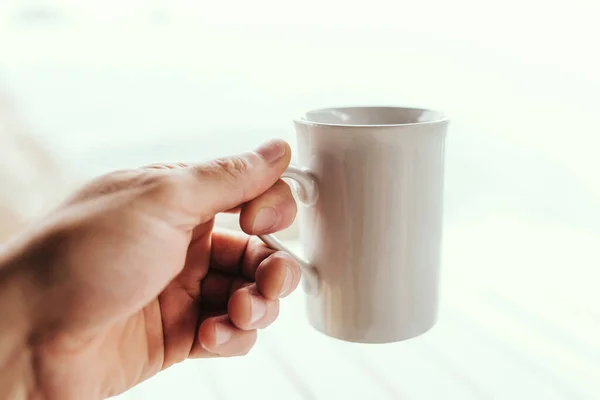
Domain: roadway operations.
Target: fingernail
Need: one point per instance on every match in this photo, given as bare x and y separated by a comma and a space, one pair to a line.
266, 218
258, 308
287, 281
222, 333
272, 150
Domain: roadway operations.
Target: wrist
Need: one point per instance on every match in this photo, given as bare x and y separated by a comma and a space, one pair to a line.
16, 329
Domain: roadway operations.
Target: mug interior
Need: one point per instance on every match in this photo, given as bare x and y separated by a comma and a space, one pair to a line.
372, 116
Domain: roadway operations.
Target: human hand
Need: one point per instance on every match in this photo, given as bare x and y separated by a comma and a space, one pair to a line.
129, 277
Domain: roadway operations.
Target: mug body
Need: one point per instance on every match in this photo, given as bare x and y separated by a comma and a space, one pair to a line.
374, 233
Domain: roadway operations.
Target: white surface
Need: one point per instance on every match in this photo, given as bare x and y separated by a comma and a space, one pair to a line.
113, 84
524, 135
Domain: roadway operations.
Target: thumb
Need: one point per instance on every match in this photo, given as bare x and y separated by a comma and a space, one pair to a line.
224, 183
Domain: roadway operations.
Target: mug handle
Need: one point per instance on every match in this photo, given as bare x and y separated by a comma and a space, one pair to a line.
308, 193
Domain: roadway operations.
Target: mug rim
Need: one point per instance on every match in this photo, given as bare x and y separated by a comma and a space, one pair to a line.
442, 117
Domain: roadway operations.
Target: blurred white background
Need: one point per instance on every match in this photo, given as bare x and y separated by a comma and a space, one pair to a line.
111, 84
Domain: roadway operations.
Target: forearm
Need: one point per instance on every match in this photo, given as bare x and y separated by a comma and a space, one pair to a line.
16, 366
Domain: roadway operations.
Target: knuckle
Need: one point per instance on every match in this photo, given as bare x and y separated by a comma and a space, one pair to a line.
233, 167
157, 184
163, 188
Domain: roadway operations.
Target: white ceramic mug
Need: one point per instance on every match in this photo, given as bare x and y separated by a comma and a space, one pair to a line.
371, 182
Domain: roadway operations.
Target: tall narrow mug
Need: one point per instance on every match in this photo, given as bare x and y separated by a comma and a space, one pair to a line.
370, 180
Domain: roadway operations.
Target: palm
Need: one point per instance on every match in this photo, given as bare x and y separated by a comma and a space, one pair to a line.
163, 331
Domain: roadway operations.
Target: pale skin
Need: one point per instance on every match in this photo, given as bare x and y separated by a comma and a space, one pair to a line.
129, 276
